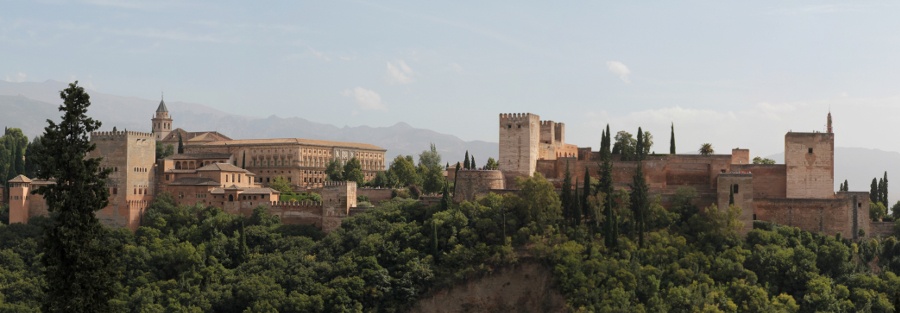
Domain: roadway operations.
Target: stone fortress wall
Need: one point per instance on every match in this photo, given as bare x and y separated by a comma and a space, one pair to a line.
798, 193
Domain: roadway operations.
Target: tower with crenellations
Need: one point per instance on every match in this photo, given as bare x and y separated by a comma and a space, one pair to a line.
131, 159
520, 135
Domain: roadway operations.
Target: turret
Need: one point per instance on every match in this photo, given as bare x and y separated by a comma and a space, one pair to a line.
162, 123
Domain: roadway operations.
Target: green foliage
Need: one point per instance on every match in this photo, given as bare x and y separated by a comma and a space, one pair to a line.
334, 170
706, 149
281, 184
492, 164
760, 160
672, 140
352, 171
877, 211
79, 254
164, 150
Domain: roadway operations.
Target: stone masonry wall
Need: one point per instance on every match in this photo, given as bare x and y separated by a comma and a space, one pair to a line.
809, 158
519, 139
473, 183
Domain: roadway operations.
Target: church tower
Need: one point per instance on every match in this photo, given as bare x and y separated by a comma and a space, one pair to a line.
162, 123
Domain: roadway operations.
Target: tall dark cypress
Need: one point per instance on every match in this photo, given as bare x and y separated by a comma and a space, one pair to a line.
873, 191
566, 196
244, 160
466, 162
472, 165
884, 190
880, 191
79, 254
585, 196
639, 191
672, 140
180, 144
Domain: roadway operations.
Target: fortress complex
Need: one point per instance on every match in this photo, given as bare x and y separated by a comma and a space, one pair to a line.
214, 170
798, 193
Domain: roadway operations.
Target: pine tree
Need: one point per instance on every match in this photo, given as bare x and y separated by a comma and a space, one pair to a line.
78, 252
672, 140
466, 162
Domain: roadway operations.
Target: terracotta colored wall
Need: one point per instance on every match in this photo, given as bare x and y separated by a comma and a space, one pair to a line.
809, 175
471, 184
828, 216
768, 180
376, 195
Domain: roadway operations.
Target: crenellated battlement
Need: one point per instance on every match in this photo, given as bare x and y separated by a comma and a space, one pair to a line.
124, 133
297, 204
516, 117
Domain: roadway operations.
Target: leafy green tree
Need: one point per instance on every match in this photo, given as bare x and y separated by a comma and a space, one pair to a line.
625, 146
672, 140
492, 164
281, 184
430, 158
335, 170
761, 160
877, 211
352, 171
539, 203
164, 150
706, 149
430, 170
895, 210
81, 271
405, 171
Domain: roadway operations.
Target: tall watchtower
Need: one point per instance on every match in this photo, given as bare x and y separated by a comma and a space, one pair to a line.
131, 158
809, 158
162, 123
19, 189
520, 135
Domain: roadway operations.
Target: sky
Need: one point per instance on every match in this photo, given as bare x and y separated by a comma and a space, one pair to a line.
729, 73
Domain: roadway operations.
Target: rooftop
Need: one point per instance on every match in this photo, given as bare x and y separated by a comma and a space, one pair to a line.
295, 141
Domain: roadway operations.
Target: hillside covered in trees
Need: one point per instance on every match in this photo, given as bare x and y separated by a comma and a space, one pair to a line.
201, 259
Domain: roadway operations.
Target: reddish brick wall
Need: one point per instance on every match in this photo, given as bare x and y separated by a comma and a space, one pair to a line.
768, 180
473, 183
828, 216
882, 229
375, 195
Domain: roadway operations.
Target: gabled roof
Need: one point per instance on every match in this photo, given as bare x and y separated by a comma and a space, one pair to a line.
162, 107
20, 179
194, 137
222, 167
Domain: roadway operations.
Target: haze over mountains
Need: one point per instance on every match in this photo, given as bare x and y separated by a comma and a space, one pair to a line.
27, 105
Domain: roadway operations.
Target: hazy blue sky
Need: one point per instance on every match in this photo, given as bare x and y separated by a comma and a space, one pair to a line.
732, 74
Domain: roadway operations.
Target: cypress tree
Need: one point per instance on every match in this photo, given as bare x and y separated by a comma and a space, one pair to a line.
672, 140
873, 191
884, 190
846, 186
244, 160
466, 162
11, 172
180, 144
472, 163
639, 203
566, 195
640, 145
585, 194
78, 252
20, 157
445, 198
880, 191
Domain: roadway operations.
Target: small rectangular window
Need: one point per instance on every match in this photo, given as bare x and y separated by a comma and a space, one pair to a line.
736, 190
810, 150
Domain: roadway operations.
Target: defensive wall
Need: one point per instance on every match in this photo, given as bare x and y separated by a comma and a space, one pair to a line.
846, 214
375, 195
473, 183
882, 229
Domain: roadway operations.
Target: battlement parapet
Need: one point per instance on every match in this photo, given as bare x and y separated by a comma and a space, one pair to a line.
510, 117
297, 204
123, 133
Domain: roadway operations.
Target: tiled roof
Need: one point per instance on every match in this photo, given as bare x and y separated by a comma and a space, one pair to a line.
223, 167
194, 181
295, 141
162, 107
197, 156
20, 179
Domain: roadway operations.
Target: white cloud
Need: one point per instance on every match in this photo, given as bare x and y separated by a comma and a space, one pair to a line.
365, 98
319, 54
17, 78
619, 69
400, 73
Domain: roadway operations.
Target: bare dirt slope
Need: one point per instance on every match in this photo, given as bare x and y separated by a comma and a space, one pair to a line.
524, 288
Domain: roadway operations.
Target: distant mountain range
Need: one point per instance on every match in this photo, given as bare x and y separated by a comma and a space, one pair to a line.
28, 105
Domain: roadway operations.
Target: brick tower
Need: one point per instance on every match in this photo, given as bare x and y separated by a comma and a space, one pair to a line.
19, 187
162, 122
520, 135
809, 158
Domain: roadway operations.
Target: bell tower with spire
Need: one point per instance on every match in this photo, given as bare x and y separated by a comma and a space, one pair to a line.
162, 123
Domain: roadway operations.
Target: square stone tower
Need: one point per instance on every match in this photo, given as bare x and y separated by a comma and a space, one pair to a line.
131, 158
520, 135
809, 159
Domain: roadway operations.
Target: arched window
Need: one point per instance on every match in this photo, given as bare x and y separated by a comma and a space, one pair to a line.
230, 198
